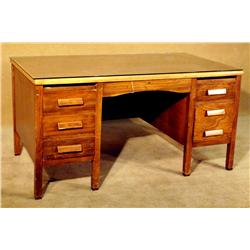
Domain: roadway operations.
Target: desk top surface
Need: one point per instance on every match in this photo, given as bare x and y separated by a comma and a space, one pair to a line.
91, 68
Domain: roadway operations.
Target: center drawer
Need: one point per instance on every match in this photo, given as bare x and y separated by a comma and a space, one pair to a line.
213, 121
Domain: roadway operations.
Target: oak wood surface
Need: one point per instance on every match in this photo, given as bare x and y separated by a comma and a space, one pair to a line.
54, 149
60, 125
109, 65
124, 67
187, 154
17, 140
214, 84
119, 88
57, 99
204, 123
95, 170
173, 120
41, 179
24, 113
231, 144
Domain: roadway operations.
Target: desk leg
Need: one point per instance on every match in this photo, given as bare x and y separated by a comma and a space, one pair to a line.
95, 171
41, 179
17, 141
231, 145
187, 155
17, 144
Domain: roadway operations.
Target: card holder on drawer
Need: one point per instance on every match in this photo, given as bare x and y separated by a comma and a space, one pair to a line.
69, 149
70, 102
69, 125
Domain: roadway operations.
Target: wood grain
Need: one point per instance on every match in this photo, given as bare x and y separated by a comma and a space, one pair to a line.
57, 99
24, 113
17, 140
120, 88
204, 122
212, 84
173, 120
187, 155
60, 125
231, 144
95, 170
56, 149
41, 179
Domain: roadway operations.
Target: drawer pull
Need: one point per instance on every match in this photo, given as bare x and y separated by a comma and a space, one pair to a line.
216, 112
69, 148
69, 125
70, 102
213, 132
217, 91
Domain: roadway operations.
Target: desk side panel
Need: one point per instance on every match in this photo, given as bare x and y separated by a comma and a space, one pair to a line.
173, 120
24, 101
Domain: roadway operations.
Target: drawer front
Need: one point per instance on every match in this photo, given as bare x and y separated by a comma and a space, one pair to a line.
213, 121
69, 148
69, 99
60, 125
120, 88
213, 89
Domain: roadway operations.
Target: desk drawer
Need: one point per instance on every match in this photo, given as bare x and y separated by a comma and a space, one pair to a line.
69, 99
213, 121
60, 125
68, 148
213, 89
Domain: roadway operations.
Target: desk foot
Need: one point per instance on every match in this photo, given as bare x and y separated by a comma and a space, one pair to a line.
41, 182
230, 156
18, 146
186, 174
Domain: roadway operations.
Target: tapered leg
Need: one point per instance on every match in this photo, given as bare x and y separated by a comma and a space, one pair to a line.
95, 171
17, 144
187, 154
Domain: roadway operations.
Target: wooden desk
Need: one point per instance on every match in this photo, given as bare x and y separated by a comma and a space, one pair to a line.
57, 104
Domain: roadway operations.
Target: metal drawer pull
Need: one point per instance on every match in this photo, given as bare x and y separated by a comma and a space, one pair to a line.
69, 148
69, 125
70, 102
216, 112
213, 132
217, 91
